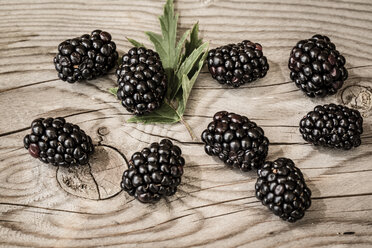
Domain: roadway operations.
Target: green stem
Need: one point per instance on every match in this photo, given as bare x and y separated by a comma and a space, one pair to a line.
183, 121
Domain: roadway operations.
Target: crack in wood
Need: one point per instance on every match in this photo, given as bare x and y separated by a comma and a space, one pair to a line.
65, 116
339, 196
335, 219
27, 85
221, 202
159, 136
14, 131
103, 163
221, 215
95, 182
49, 209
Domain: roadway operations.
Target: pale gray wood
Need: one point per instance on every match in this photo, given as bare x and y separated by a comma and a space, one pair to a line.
44, 206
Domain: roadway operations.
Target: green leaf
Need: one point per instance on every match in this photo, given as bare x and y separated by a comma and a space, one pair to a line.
158, 42
135, 43
113, 90
191, 60
164, 114
194, 42
165, 44
168, 22
182, 62
187, 83
180, 44
189, 63
173, 82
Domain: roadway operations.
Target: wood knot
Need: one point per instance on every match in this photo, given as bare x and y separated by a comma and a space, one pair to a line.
357, 97
103, 131
98, 180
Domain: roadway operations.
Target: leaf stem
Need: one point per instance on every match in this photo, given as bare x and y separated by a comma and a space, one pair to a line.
182, 120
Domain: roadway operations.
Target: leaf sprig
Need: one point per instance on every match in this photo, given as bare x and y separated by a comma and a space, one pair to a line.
182, 62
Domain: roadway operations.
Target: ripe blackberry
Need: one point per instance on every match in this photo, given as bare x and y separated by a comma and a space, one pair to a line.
332, 125
154, 172
58, 142
86, 57
236, 64
236, 140
281, 187
142, 81
317, 68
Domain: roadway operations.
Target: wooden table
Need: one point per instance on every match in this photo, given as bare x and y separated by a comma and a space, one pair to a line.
44, 206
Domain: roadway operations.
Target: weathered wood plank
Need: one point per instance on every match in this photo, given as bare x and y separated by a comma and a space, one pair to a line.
43, 206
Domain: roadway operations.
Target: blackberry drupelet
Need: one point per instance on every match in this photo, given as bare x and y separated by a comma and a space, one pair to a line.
58, 142
154, 172
317, 68
281, 187
333, 126
86, 57
142, 81
236, 140
236, 64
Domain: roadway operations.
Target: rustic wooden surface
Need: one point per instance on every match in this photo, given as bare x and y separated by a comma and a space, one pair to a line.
44, 206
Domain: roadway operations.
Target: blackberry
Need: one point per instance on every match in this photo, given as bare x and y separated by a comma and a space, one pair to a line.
333, 126
154, 172
86, 57
317, 68
236, 140
58, 142
236, 64
281, 187
142, 81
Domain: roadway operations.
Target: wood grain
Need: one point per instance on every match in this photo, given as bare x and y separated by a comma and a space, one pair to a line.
44, 206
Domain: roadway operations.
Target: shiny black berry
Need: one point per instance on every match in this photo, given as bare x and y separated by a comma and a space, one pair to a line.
142, 81
236, 140
55, 141
86, 57
154, 172
281, 187
317, 68
236, 64
334, 126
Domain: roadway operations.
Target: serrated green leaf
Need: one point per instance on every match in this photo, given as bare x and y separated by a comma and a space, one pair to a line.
168, 22
114, 90
180, 44
164, 114
135, 43
194, 42
157, 40
182, 98
189, 63
187, 83
165, 44
182, 62
173, 82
